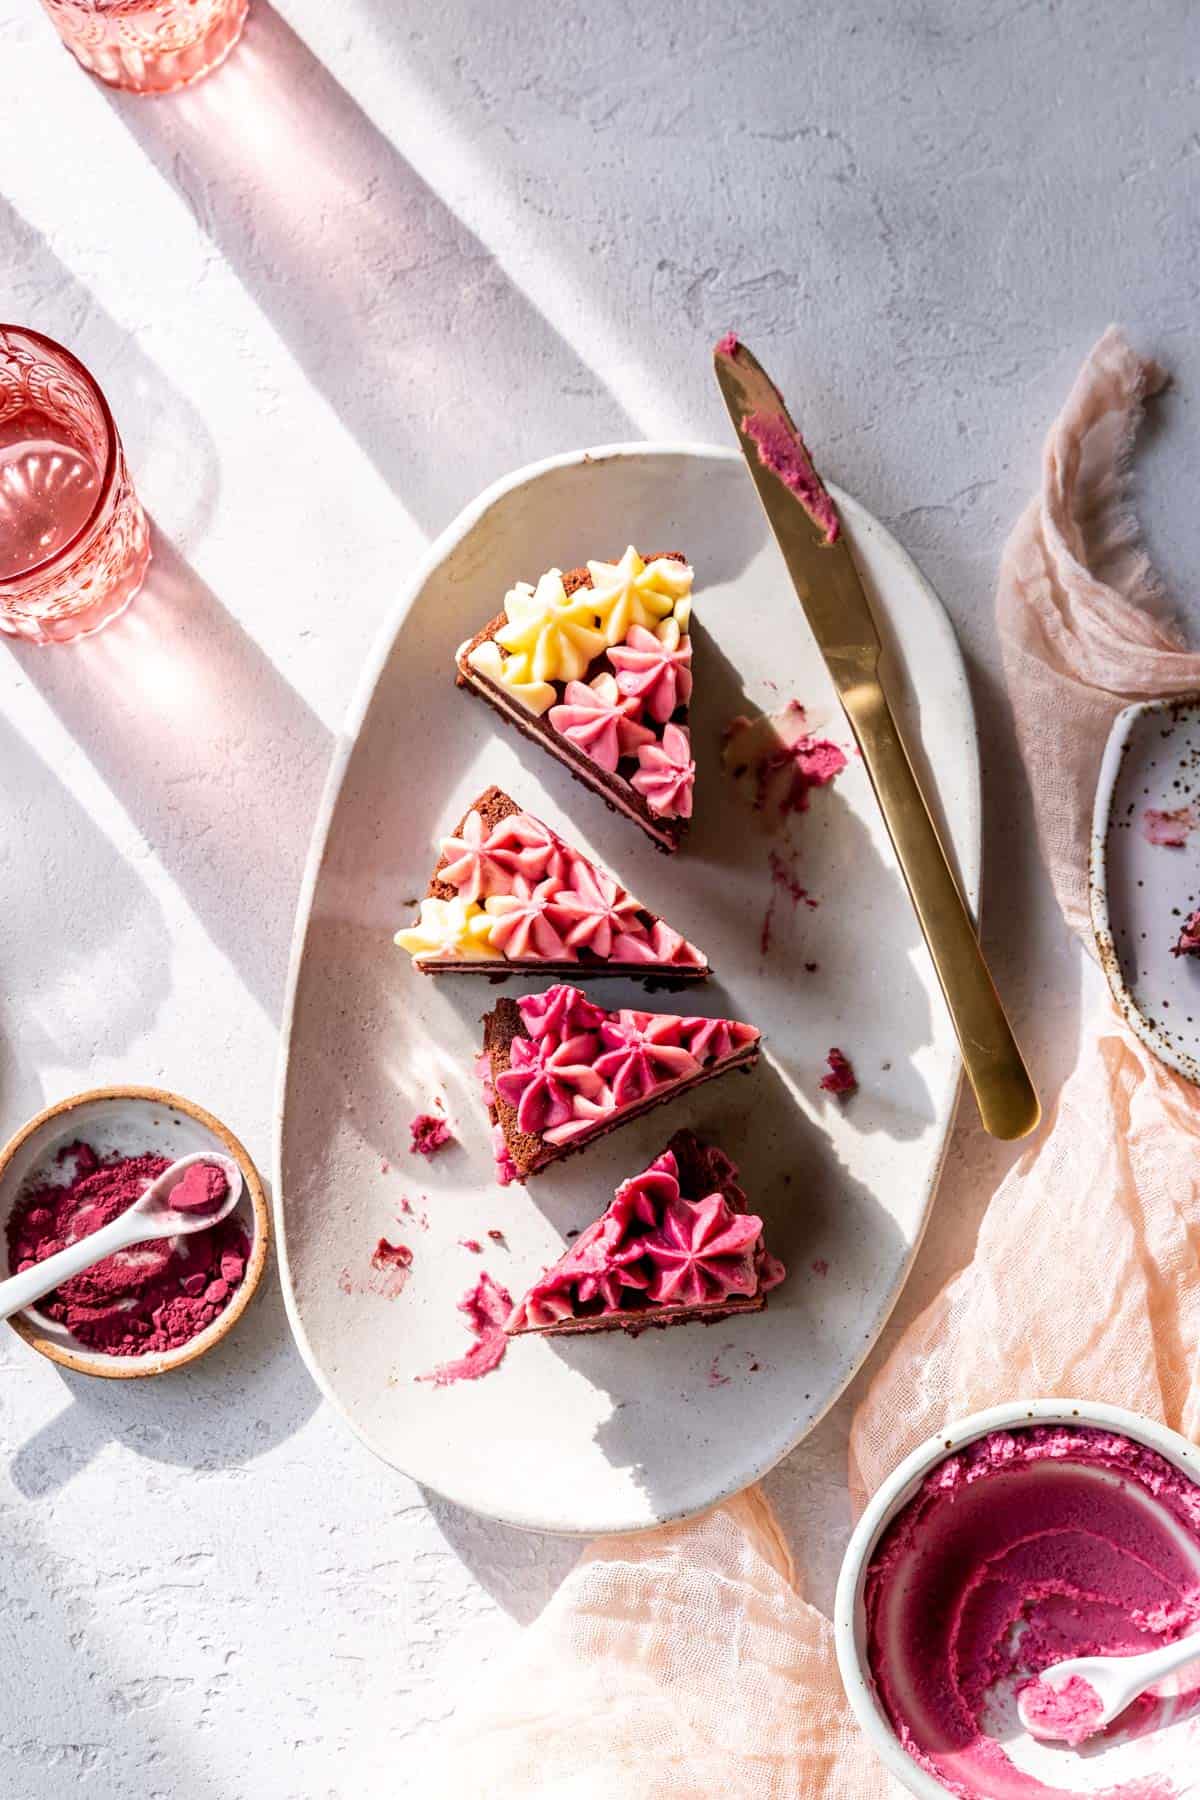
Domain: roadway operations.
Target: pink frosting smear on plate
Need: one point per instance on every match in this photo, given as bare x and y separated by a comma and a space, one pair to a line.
486, 1306
783, 758
782, 450
1024, 1549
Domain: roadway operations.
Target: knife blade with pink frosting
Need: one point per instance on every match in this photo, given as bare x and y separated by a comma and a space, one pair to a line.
809, 531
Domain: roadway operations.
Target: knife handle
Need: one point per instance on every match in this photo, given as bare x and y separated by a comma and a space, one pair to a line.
1008, 1104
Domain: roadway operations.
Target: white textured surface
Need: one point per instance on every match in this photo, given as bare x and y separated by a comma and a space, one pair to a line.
389, 252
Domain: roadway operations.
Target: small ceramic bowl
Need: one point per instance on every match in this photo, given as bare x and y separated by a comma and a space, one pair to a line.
131, 1121
1156, 1756
1140, 891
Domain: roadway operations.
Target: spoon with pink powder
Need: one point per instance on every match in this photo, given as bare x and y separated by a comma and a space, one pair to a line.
1072, 1700
194, 1194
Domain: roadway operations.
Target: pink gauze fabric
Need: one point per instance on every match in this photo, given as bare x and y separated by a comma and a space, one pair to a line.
683, 1663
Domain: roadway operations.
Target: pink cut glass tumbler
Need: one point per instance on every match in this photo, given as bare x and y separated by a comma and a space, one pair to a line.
74, 543
149, 46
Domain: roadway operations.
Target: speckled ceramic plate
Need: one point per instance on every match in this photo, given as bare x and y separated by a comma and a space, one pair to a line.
609, 1433
1141, 891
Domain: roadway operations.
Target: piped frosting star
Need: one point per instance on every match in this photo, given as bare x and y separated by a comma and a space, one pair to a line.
654, 668
556, 631
666, 774
513, 673
634, 592
447, 929
702, 1252
601, 721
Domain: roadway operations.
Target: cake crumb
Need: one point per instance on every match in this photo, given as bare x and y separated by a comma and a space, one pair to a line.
841, 1079
393, 1262
429, 1135
1170, 829
820, 1266
473, 1245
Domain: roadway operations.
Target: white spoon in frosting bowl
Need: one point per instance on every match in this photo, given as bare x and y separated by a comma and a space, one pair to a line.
194, 1194
1072, 1700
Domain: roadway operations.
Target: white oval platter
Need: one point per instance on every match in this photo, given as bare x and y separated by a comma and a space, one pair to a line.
610, 1433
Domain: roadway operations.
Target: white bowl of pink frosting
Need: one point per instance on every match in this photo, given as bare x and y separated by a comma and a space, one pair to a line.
1011, 1540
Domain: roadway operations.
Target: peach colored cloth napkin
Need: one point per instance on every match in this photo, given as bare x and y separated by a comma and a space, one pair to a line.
684, 1664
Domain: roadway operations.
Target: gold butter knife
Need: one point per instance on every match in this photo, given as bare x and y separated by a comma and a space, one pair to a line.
808, 531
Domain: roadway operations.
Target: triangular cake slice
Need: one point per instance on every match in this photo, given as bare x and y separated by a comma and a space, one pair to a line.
509, 892
559, 1072
595, 665
677, 1244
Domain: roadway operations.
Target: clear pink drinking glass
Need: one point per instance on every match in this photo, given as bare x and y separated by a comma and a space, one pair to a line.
74, 543
149, 46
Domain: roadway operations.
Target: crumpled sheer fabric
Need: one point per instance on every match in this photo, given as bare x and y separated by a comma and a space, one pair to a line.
685, 1664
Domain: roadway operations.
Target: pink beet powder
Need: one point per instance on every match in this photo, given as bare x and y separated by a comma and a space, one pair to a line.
1067, 1715
728, 345
155, 1296
429, 1134
487, 1307
202, 1189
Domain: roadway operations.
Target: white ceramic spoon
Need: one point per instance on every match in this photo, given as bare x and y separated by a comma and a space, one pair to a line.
1115, 1680
150, 1216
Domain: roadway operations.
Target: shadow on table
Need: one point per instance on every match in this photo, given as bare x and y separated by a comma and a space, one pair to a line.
246, 1395
396, 312
92, 964
519, 1569
215, 757
167, 443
